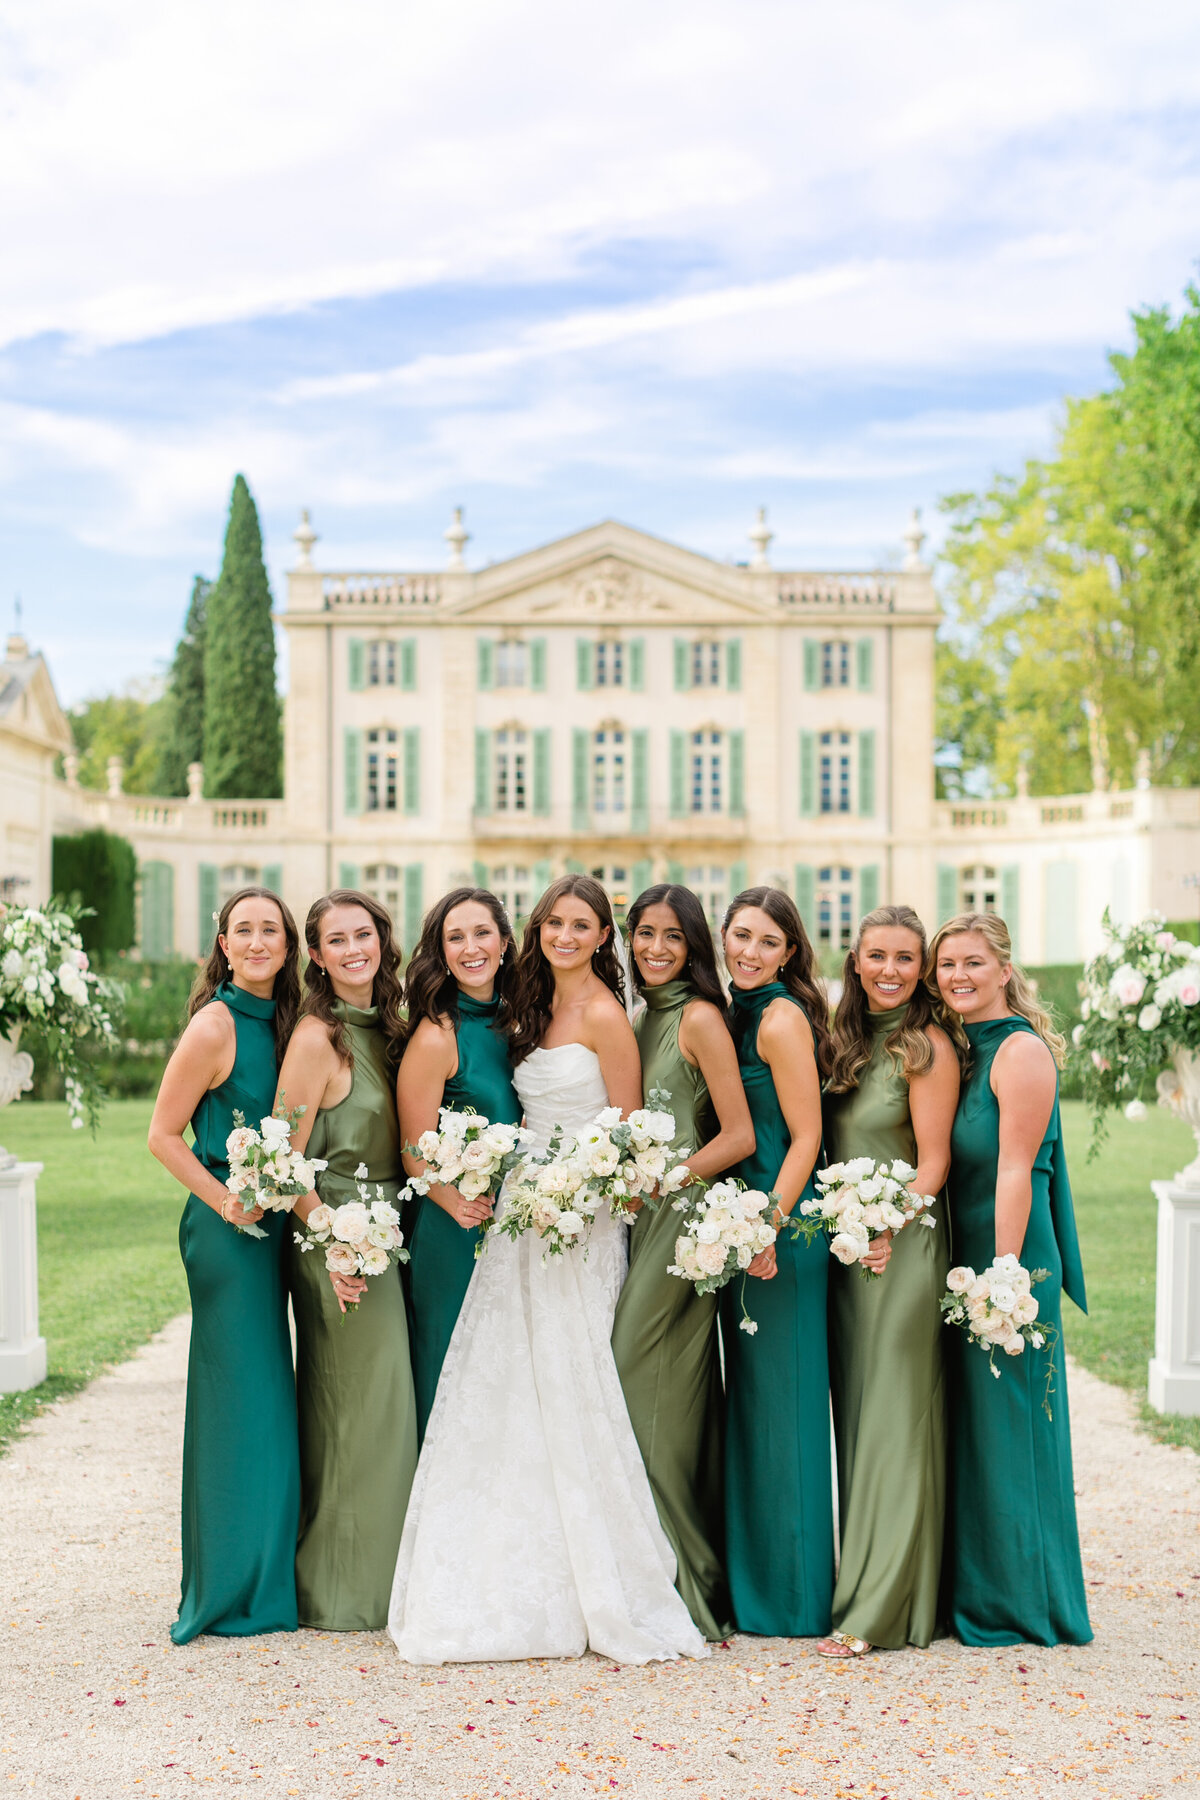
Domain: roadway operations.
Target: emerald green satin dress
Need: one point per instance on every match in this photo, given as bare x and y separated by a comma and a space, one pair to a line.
778, 1475
358, 1434
443, 1254
241, 1484
888, 1383
665, 1342
1012, 1571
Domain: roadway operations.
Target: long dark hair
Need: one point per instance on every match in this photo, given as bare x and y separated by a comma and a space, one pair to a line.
908, 1042
701, 966
534, 989
798, 972
430, 990
386, 992
286, 992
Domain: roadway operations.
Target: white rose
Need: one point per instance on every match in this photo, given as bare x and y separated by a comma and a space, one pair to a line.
871, 1188
711, 1258
752, 1203
545, 1215
846, 1248
1026, 1309
428, 1145
960, 1279
1149, 1018
1004, 1296
474, 1183
237, 1183
320, 1220
740, 1231
858, 1167
476, 1155
239, 1141
852, 1217
1136, 1110
273, 1130
340, 1259
570, 1226
603, 1158
902, 1172
873, 1218
1009, 1264
708, 1232
351, 1222
745, 1256
893, 1218
374, 1260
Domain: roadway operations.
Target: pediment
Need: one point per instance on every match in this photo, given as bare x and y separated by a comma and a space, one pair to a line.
29, 705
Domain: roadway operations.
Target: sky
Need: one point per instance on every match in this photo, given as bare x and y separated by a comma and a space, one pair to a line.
551, 264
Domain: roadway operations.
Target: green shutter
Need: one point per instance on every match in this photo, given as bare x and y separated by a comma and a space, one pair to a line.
737, 774
1010, 903
541, 773
483, 771
158, 911
272, 877
408, 664
357, 657
643, 876
585, 662
639, 820
812, 665
348, 875
637, 664
683, 673
484, 663
580, 810
733, 665
573, 866
808, 774
352, 771
542, 877
537, 664
675, 874
479, 874
412, 769
678, 775
414, 908
805, 879
947, 892
865, 661
739, 879
866, 774
209, 888
868, 888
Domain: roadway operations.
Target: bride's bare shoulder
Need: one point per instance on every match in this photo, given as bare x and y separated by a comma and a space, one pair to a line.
604, 1012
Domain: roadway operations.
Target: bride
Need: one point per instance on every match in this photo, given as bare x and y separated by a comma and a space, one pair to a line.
531, 1530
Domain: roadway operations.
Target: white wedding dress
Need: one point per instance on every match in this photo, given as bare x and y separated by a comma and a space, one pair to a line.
531, 1529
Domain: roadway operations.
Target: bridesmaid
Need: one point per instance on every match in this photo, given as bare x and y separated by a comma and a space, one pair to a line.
778, 1480
665, 1333
892, 1093
358, 1440
241, 1485
456, 1055
1012, 1572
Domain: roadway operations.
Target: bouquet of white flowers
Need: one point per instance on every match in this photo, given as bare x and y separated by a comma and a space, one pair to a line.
469, 1153
858, 1201
997, 1311
724, 1228
45, 981
630, 1159
360, 1237
549, 1195
264, 1170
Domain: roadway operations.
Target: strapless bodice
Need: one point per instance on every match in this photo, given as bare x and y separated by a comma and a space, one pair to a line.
560, 1086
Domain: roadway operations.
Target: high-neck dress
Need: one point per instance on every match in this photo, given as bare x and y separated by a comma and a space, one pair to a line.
358, 1434
887, 1382
443, 1254
1012, 1569
665, 1341
241, 1487
778, 1479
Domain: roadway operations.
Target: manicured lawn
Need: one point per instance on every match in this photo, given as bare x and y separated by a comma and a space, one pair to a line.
110, 1275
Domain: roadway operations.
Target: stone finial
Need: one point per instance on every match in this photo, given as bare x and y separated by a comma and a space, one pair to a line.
17, 647
457, 536
914, 537
116, 774
1142, 769
195, 781
305, 537
71, 769
1023, 779
760, 535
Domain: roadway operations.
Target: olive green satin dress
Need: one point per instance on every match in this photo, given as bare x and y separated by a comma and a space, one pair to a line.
778, 1478
665, 1342
241, 1483
443, 1254
358, 1434
1012, 1571
888, 1384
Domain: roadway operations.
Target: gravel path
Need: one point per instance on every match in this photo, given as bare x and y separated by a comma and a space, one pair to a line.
96, 1702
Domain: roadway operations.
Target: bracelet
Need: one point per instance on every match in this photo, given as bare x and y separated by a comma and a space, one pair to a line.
224, 1204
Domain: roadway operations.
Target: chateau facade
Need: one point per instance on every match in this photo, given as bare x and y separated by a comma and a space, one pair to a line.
615, 704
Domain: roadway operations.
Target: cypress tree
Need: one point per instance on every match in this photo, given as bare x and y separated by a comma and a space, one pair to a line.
183, 735
243, 749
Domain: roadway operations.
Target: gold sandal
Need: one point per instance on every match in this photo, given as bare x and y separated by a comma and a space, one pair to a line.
847, 1645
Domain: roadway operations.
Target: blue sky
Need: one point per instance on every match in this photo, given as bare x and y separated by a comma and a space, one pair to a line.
667, 263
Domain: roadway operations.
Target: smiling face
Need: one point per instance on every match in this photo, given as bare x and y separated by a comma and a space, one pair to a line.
472, 946
349, 952
756, 948
659, 945
571, 934
255, 944
888, 963
971, 978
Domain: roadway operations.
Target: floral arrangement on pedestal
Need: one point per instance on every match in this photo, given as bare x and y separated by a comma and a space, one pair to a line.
45, 981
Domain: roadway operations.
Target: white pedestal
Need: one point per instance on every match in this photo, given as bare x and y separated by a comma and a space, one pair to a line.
22, 1351
1175, 1366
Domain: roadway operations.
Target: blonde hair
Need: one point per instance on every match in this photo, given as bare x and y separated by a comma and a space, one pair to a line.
1019, 990
908, 1043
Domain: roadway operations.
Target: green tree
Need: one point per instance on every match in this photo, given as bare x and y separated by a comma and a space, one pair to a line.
242, 735
127, 725
183, 711
99, 870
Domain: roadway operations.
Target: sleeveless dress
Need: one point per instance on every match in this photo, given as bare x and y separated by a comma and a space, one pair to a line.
442, 1253
358, 1437
665, 1342
1012, 1570
778, 1474
887, 1383
531, 1530
241, 1484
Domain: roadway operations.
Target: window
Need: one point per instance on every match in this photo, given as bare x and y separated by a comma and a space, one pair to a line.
707, 772
610, 770
512, 885
383, 882
383, 766
610, 663
614, 878
711, 888
383, 663
980, 889
835, 664
835, 908
706, 665
511, 766
512, 663
235, 876
835, 772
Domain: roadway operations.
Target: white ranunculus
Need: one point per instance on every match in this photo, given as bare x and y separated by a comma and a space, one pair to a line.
1004, 1296
708, 1232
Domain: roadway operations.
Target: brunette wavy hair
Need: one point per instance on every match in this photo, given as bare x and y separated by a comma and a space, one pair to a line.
430, 990
534, 987
386, 991
286, 993
1019, 990
701, 966
798, 973
908, 1042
